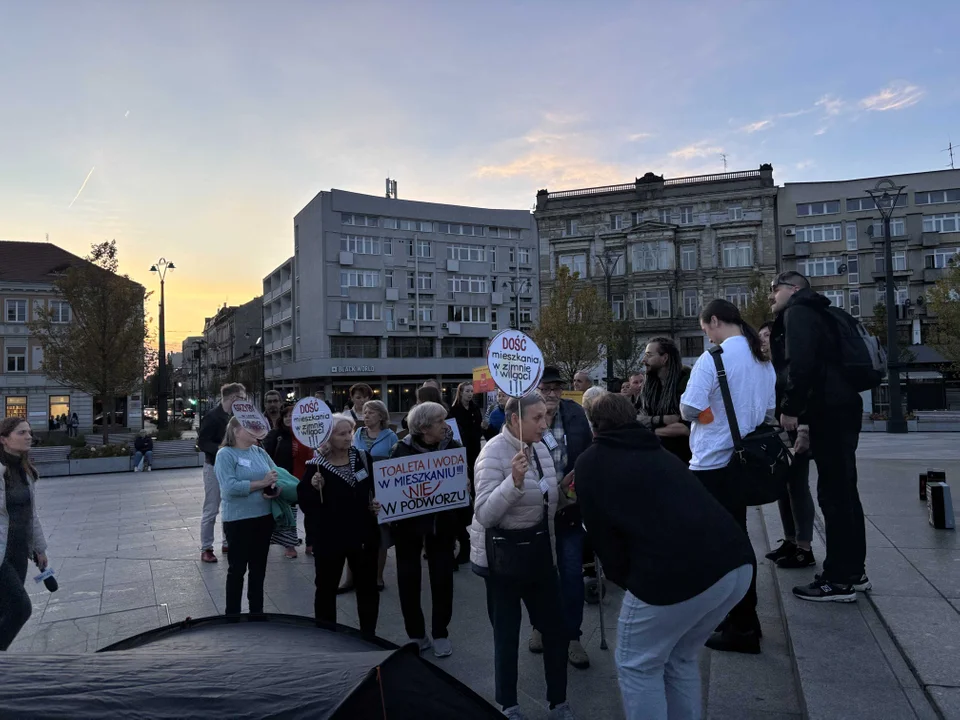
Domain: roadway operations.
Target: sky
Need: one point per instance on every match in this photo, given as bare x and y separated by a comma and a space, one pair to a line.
195, 130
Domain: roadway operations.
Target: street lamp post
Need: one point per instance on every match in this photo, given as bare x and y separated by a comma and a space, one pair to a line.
885, 196
516, 286
608, 261
161, 267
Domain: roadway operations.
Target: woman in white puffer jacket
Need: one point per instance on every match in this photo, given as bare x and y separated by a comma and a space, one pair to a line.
511, 481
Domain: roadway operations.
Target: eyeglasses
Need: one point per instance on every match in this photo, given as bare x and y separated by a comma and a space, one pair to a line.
775, 285
551, 390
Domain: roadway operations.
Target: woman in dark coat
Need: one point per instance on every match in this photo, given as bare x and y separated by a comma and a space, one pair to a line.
469, 420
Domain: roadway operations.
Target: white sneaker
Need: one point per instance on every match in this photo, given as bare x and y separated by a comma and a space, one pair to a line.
149, 468
442, 647
514, 713
424, 643
561, 712
136, 468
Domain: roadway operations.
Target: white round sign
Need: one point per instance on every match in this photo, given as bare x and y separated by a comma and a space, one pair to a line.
251, 419
310, 421
515, 363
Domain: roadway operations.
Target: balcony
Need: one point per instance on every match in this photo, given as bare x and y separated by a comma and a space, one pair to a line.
880, 274
931, 275
286, 286
287, 341
286, 314
802, 249
346, 258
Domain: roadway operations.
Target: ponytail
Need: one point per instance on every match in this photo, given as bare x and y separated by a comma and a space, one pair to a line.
726, 312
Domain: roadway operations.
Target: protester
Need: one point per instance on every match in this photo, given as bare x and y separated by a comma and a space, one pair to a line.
469, 421
659, 407
428, 392
752, 381
336, 494
73, 428
636, 385
581, 381
377, 439
436, 532
496, 417
271, 407
279, 445
21, 536
213, 426
244, 472
626, 389
143, 445
589, 397
816, 393
796, 506
517, 489
360, 394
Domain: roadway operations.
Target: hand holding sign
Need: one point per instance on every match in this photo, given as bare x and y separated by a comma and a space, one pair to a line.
251, 419
311, 421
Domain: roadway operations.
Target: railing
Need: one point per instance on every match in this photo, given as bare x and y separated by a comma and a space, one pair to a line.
693, 180
592, 191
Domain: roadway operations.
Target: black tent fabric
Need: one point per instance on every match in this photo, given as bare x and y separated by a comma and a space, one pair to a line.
266, 666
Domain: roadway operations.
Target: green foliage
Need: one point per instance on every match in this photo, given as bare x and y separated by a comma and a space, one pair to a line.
99, 451
945, 303
170, 433
625, 347
54, 439
757, 310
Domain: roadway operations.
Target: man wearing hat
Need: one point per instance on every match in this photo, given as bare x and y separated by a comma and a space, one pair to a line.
568, 435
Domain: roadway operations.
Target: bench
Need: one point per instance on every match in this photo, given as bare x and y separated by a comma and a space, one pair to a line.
176, 454
51, 461
126, 438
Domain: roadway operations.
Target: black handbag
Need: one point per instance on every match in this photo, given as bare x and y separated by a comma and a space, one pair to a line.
521, 554
761, 459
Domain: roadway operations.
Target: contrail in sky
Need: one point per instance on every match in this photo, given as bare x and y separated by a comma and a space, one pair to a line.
82, 187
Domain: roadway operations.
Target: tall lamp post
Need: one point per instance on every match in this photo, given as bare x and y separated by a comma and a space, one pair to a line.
261, 383
198, 354
608, 261
516, 285
885, 196
161, 267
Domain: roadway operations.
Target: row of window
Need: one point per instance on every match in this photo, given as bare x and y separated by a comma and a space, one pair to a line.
658, 256
16, 406
859, 204
368, 311
834, 265
15, 311
357, 220
401, 347
371, 245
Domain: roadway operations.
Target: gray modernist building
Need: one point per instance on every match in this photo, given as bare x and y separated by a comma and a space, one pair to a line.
680, 242
389, 292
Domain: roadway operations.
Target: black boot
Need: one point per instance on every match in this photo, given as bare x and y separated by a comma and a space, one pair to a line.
730, 640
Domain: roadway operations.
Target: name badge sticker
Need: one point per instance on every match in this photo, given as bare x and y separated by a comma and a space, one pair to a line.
550, 441
544, 488
361, 474
243, 462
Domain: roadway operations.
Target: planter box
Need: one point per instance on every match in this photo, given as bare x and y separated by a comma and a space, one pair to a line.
912, 426
96, 466
879, 425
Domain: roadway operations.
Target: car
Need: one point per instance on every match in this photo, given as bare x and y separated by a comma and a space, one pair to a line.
189, 413
150, 413
117, 419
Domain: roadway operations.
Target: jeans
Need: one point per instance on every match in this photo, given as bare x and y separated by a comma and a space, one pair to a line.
328, 562
138, 456
833, 441
211, 508
570, 567
542, 598
15, 607
440, 561
796, 507
249, 548
658, 649
723, 485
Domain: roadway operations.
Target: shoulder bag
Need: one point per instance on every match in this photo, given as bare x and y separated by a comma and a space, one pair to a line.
761, 459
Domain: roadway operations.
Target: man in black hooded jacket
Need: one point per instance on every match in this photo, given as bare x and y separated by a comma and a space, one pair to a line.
804, 344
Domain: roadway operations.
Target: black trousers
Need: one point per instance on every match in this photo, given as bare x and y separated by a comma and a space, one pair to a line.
440, 561
249, 542
15, 607
328, 562
722, 484
542, 599
833, 441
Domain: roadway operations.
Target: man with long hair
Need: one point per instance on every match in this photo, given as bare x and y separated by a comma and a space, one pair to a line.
659, 405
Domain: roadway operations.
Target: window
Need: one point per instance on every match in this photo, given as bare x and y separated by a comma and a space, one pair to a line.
818, 208
467, 283
855, 302
457, 347
570, 227
899, 261
16, 406
853, 269
391, 223
734, 212
59, 406
16, 311
362, 220
616, 221
820, 266
618, 307
354, 347
664, 215
936, 196
835, 297
460, 229
686, 214
390, 317
688, 257
359, 278
526, 317
466, 314
691, 304
739, 295
867, 203
502, 232
650, 304
360, 311
360, 244
401, 347
900, 295
651, 256
738, 254
524, 255
819, 233
469, 253
635, 218
949, 222
941, 258
424, 282
424, 248
59, 311
416, 225
388, 280
851, 236
691, 346
426, 314
897, 227
576, 264
387, 246
16, 359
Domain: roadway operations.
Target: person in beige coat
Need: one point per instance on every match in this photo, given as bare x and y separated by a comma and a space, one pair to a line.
514, 482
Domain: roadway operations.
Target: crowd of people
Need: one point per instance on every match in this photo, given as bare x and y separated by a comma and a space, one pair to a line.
646, 479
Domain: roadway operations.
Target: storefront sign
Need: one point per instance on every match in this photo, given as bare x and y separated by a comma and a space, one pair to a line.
335, 369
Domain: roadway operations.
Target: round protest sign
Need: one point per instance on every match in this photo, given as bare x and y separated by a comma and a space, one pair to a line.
251, 419
515, 363
311, 421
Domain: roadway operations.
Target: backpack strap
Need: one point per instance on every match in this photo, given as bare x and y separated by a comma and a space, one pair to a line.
715, 352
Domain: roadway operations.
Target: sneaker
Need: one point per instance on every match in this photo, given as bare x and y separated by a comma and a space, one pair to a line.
823, 590
577, 656
535, 644
799, 558
730, 640
424, 643
862, 584
149, 468
442, 647
514, 713
136, 468
207, 556
561, 712
785, 549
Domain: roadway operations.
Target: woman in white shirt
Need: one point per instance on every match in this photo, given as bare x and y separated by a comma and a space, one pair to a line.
752, 382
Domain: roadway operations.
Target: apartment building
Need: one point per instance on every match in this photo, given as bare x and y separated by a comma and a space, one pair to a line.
833, 233
232, 347
389, 292
673, 245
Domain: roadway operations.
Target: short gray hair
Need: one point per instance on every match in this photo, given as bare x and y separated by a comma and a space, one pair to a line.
590, 396
338, 418
423, 415
516, 406
380, 409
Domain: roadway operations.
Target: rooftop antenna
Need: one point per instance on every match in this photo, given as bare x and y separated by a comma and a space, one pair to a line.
391, 189
724, 157
47, 235
949, 149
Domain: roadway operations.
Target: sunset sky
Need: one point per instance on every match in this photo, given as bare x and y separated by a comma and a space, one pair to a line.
201, 128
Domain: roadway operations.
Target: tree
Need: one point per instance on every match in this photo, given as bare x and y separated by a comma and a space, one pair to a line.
877, 326
625, 348
757, 310
572, 328
101, 350
945, 303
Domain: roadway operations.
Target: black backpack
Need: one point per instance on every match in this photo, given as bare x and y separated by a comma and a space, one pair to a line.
863, 361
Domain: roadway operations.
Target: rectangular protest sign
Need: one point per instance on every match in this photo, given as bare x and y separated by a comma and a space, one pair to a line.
482, 382
421, 484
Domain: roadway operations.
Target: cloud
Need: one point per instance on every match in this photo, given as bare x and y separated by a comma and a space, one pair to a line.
896, 96
696, 150
756, 126
831, 105
556, 169
795, 113
820, 131
559, 118
804, 164
638, 136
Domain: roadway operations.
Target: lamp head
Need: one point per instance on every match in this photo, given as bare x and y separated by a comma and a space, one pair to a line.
153, 268
171, 266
